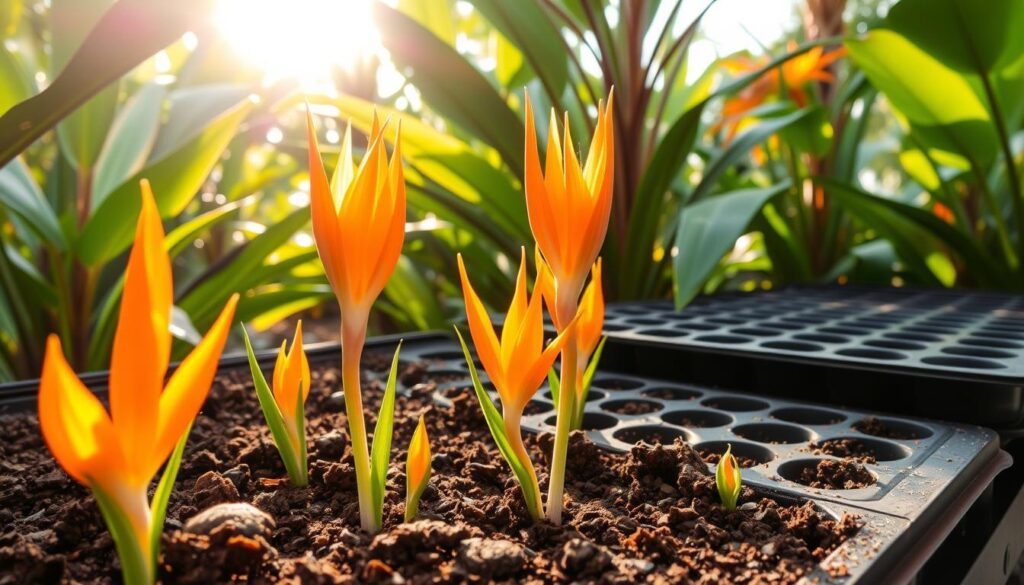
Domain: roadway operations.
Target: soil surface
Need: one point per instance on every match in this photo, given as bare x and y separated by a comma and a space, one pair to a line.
714, 457
846, 448
651, 515
878, 428
830, 474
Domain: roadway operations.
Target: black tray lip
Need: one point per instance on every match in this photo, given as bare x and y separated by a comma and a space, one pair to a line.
17, 394
987, 377
904, 542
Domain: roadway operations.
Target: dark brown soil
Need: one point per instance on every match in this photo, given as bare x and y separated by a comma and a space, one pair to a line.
877, 428
846, 449
714, 458
650, 515
830, 474
632, 407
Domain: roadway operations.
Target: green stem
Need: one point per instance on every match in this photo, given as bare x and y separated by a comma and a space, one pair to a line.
1011, 167
515, 438
566, 398
351, 353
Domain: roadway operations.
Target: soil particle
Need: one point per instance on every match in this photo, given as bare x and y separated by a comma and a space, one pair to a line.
634, 407
878, 428
714, 457
648, 515
245, 519
213, 488
831, 474
846, 448
491, 558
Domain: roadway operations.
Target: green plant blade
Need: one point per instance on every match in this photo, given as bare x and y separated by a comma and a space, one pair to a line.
708, 229
531, 491
162, 495
175, 179
451, 85
128, 33
20, 194
134, 564
129, 141
588, 378
271, 412
302, 463
380, 453
555, 384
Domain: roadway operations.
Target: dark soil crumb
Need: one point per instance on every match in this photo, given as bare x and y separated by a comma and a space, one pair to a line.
670, 394
714, 458
632, 407
831, 474
846, 449
877, 428
650, 515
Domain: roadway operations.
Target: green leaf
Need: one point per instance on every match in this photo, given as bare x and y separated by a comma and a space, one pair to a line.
125, 35
739, 148
380, 453
451, 85
192, 110
437, 16
40, 290
527, 26
708, 229
964, 34
204, 297
15, 83
521, 469
20, 194
274, 418
129, 141
812, 134
555, 384
588, 378
82, 134
162, 495
939, 102
408, 289
915, 234
648, 208
300, 432
264, 309
175, 179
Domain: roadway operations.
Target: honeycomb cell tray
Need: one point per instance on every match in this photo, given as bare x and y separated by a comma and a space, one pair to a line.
944, 354
922, 470
924, 480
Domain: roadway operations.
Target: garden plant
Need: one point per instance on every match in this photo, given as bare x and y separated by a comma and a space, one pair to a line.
337, 236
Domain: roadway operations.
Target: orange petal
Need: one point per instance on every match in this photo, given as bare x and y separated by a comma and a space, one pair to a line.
187, 389
539, 367
545, 286
142, 343
481, 329
74, 423
514, 318
417, 465
538, 203
591, 320
527, 350
394, 238
324, 216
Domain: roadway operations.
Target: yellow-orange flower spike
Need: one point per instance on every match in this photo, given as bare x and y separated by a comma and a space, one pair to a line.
728, 479
569, 204
519, 362
358, 221
417, 470
291, 373
120, 452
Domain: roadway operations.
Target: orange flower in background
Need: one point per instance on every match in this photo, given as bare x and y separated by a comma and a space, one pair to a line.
569, 204
117, 454
797, 72
519, 362
358, 221
291, 374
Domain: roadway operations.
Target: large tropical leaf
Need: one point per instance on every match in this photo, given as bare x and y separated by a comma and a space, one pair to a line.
20, 194
451, 85
125, 35
175, 178
129, 141
708, 229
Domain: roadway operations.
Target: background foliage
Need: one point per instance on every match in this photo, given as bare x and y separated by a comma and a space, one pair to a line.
869, 145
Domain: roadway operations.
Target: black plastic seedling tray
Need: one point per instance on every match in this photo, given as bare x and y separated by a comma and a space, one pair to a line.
921, 493
943, 354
